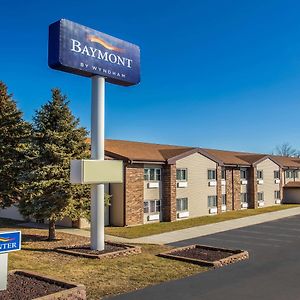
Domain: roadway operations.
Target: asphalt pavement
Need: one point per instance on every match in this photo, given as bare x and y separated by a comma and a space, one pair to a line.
272, 271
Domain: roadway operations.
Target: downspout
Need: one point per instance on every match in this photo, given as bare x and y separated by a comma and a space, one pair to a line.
232, 184
124, 194
124, 197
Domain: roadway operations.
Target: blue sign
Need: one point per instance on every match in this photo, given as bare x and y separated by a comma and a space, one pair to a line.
84, 51
10, 241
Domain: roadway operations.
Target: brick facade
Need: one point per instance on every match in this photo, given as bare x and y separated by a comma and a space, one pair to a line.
236, 178
282, 182
229, 189
134, 194
219, 189
252, 188
169, 193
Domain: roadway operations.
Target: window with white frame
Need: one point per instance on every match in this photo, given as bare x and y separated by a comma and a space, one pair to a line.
296, 174
223, 199
243, 174
151, 206
276, 174
152, 174
182, 204
211, 201
211, 174
260, 196
181, 174
260, 174
244, 197
276, 195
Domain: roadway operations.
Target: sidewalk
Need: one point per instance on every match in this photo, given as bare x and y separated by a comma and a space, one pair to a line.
193, 232
188, 233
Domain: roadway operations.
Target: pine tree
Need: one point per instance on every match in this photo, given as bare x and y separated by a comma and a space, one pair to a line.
14, 137
57, 139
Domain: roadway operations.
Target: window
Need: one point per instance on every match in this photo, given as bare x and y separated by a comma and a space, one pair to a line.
296, 172
151, 206
243, 174
224, 199
276, 175
182, 204
181, 174
211, 174
289, 174
212, 201
223, 174
276, 194
260, 174
244, 198
152, 174
260, 196
158, 174
146, 207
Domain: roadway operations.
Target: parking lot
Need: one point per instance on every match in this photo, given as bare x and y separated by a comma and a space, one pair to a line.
272, 272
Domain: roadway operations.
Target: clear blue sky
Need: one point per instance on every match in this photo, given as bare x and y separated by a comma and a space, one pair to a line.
217, 74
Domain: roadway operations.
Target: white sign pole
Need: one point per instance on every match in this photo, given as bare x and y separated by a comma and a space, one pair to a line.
3, 271
97, 141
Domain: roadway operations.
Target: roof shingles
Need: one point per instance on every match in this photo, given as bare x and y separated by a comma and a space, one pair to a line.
138, 151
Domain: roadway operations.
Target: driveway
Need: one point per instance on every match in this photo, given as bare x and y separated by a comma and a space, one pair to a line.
272, 272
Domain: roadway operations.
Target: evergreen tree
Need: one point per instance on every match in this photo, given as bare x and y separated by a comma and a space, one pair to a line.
57, 138
14, 136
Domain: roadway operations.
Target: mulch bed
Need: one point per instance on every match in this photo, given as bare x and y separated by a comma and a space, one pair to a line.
26, 288
108, 249
206, 255
112, 250
203, 254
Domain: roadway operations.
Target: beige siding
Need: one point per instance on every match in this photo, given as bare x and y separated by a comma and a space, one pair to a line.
65, 222
197, 190
152, 193
223, 189
244, 188
269, 186
84, 223
117, 204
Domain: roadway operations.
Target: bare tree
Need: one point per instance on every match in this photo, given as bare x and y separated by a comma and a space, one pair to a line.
286, 149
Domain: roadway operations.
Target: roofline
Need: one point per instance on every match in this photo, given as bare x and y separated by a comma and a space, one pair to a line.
154, 162
202, 151
117, 156
133, 161
291, 187
237, 165
173, 160
290, 168
267, 157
